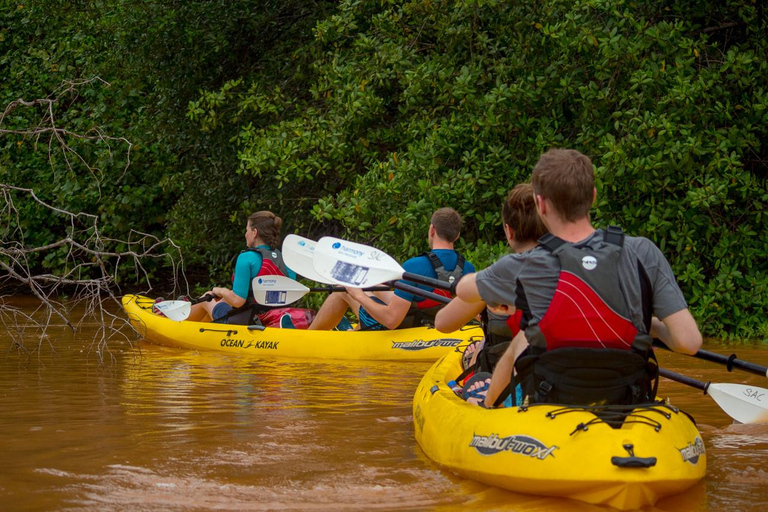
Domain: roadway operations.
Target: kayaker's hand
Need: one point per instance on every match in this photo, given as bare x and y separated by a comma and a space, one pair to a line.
217, 292
355, 293
501, 309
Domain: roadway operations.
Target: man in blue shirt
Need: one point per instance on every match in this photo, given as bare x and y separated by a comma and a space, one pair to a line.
390, 310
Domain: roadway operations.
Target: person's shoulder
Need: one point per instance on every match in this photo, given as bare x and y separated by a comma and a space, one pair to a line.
418, 264
249, 255
640, 244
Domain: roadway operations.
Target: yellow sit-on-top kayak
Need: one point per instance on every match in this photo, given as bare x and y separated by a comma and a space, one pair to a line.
415, 344
562, 451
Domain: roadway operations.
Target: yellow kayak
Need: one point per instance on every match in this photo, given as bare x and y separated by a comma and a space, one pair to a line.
558, 451
415, 344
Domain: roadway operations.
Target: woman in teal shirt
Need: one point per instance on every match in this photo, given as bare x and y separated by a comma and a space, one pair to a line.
261, 257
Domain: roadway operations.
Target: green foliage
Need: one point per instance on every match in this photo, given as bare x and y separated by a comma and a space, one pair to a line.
359, 118
419, 104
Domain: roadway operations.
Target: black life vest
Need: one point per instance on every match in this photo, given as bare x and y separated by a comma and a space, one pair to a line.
585, 350
424, 311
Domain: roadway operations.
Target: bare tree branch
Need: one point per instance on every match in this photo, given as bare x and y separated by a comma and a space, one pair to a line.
92, 265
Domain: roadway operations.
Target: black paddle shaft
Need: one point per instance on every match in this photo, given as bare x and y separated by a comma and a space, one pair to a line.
429, 281
331, 289
730, 362
682, 379
422, 293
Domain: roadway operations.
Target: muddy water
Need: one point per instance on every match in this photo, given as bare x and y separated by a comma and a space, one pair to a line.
168, 429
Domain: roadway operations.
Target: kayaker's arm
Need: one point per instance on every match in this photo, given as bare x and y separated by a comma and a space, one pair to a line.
456, 314
229, 296
678, 331
467, 290
389, 315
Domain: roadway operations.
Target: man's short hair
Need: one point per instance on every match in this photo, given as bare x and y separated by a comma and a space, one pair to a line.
566, 178
447, 222
519, 213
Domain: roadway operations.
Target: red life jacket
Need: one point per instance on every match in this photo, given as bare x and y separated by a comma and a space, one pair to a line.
585, 350
513, 322
588, 309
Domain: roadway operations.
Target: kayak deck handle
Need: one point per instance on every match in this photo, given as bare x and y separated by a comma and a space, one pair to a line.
633, 462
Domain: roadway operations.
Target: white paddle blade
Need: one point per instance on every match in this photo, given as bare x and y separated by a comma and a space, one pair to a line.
745, 404
277, 290
176, 310
298, 253
354, 265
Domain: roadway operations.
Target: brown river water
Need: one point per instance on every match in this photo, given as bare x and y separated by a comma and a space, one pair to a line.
157, 428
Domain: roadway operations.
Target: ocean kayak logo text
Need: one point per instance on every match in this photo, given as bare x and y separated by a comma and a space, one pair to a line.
421, 344
347, 250
235, 343
693, 451
523, 445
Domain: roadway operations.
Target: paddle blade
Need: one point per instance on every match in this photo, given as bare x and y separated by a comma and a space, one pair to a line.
745, 404
354, 265
277, 290
176, 310
298, 253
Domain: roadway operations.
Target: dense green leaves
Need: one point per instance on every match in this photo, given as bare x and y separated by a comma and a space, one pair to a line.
359, 118
415, 105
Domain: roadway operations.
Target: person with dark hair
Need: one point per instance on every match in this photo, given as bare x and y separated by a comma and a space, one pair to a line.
260, 257
522, 229
399, 309
591, 300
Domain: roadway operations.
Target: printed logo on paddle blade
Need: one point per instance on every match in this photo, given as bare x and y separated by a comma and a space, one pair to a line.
693, 451
302, 243
423, 344
522, 445
336, 245
267, 281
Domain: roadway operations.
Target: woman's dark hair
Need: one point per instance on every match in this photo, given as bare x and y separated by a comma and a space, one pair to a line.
268, 224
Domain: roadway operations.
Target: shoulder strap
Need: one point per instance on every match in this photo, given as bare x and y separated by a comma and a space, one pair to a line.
460, 261
614, 235
434, 260
550, 242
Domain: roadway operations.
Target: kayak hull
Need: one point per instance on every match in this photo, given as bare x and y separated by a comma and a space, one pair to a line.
558, 451
415, 344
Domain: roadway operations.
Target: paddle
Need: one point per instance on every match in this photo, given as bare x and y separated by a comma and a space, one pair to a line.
358, 266
745, 404
730, 362
178, 310
298, 253
281, 290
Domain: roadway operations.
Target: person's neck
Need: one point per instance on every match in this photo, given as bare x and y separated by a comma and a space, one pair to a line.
441, 244
571, 231
527, 246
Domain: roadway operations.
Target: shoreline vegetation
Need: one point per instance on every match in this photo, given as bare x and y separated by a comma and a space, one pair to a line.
135, 138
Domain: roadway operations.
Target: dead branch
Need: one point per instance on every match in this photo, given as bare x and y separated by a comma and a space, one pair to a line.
92, 267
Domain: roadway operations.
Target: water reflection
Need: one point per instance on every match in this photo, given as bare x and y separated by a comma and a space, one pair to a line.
180, 430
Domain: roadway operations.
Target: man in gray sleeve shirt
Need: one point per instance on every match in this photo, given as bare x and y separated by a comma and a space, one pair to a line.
588, 304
